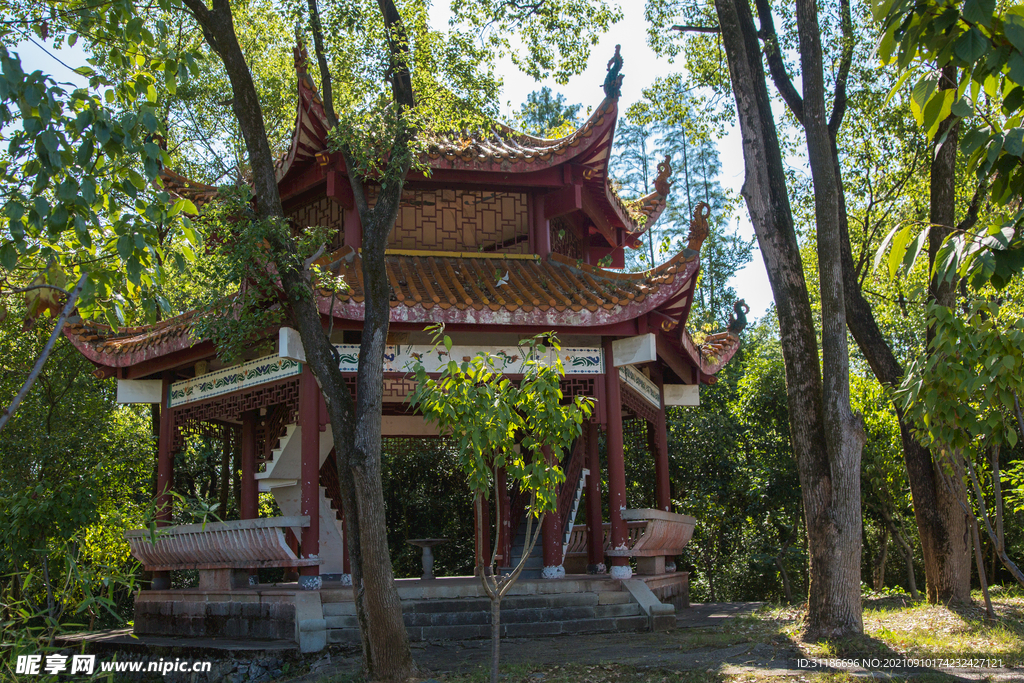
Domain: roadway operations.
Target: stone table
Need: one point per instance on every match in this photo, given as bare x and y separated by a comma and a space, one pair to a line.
428, 555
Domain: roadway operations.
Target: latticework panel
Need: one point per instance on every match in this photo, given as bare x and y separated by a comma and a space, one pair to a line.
188, 418
565, 238
638, 405
578, 386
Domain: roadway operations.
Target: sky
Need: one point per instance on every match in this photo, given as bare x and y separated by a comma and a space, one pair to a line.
640, 68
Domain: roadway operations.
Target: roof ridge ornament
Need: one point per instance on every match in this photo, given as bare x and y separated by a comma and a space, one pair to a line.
699, 226
300, 53
661, 183
613, 81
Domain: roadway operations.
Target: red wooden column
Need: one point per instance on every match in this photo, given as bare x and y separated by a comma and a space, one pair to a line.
616, 466
540, 230
248, 508
309, 423
595, 525
662, 482
551, 536
164, 473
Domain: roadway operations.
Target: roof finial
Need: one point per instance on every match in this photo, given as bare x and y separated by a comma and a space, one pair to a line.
301, 55
738, 321
661, 183
613, 81
699, 226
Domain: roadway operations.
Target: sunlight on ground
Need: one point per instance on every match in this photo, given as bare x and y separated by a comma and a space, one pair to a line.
894, 627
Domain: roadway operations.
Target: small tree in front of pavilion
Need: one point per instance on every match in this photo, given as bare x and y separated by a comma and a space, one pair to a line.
489, 415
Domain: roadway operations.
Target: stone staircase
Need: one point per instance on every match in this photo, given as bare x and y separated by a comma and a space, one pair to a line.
535, 563
596, 606
281, 477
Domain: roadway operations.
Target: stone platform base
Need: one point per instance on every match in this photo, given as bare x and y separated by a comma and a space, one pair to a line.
672, 588
445, 608
260, 613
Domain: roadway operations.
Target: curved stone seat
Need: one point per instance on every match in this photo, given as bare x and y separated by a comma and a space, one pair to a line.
663, 534
242, 544
650, 534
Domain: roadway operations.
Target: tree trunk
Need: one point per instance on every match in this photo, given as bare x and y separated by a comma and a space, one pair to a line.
831, 488
943, 534
835, 609
386, 652
878, 575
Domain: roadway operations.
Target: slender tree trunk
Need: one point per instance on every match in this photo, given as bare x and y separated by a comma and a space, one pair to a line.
829, 468
980, 561
386, 652
878, 575
944, 542
838, 608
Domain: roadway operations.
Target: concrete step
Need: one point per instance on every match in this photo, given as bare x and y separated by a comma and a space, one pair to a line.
337, 609
343, 621
630, 609
614, 598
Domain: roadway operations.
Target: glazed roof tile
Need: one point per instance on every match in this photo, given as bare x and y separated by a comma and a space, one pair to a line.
486, 289
467, 286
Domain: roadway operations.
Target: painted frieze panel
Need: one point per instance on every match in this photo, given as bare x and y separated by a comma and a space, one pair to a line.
640, 383
235, 378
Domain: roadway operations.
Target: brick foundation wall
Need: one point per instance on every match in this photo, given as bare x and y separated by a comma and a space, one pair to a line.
220, 619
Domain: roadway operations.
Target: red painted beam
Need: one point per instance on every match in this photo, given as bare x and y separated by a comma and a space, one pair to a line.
339, 188
561, 202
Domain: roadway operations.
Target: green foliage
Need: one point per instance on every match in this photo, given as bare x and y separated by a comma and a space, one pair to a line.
77, 471
963, 393
79, 169
984, 47
237, 324
489, 416
546, 39
545, 114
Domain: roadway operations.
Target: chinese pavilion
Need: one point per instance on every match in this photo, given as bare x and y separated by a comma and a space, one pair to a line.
503, 240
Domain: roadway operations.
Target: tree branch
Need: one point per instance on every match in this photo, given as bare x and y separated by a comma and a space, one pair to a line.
972, 211
398, 49
777, 68
38, 368
326, 87
839, 102
696, 29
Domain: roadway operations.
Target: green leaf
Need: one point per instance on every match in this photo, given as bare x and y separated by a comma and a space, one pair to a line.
899, 246
971, 46
961, 109
8, 256
1016, 66
880, 254
1014, 142
979, 11
937, 110
1013, 26
914, 250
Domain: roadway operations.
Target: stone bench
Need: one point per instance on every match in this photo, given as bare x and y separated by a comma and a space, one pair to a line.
224, 553
652, 535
